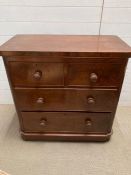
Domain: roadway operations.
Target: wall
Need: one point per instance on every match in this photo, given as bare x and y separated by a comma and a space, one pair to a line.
65, 17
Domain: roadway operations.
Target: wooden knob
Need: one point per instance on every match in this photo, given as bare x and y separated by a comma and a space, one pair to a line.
37, 74
40, 100
91, 100
93, 77
88, 122
43, 122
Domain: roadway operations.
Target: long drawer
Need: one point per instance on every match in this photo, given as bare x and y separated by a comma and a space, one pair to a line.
66, 122
66, 99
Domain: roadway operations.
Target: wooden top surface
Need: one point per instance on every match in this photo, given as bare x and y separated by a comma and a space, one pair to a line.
64, 43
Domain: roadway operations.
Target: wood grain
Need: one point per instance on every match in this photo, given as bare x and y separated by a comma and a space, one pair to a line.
64, 44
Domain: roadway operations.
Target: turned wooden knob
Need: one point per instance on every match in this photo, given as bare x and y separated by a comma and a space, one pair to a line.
40, 100
88, 122
43, 122
93, 77
37, 74
90, 100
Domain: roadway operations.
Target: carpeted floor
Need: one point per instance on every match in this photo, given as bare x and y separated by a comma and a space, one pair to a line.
18, 157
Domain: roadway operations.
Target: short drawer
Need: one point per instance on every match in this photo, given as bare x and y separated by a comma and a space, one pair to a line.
66, 99
94, 75
66, 122
36, 74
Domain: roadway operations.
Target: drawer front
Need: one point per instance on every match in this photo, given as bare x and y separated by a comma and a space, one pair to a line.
68, 122
96, 74
36, 74
66, 99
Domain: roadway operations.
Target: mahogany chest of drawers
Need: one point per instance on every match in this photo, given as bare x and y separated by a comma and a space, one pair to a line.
65, 87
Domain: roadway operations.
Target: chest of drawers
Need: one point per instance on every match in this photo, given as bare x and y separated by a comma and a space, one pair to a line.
65, 87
